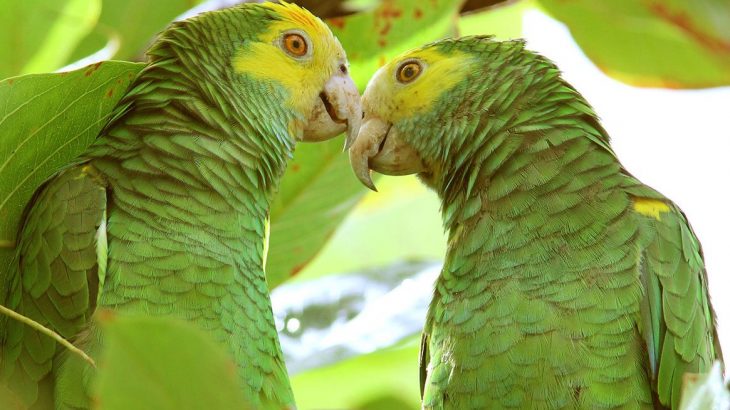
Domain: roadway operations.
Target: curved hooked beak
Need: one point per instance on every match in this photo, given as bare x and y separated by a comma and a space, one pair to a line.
337, 109
379, 147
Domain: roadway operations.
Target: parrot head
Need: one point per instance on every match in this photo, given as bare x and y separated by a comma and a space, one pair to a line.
428, 111
280, 53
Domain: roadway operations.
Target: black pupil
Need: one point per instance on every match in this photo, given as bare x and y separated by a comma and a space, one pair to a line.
295, 44
408, 72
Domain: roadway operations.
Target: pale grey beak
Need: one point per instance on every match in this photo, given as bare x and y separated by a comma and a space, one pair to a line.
380, 147
366, 146
337, 110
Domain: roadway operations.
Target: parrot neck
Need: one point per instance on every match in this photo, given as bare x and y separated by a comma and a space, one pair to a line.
508, 175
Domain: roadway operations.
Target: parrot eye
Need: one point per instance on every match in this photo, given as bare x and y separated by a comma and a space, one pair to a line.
295, 44
408, 72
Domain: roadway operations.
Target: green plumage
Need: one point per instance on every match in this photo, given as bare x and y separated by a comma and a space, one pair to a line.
164, 215
560, 289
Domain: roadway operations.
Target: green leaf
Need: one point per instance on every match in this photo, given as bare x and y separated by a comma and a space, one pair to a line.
46, 120
368, 238
130, 26
373, 37
319, 188
504, 20
163, 363
39, 35
385, 380
652, 43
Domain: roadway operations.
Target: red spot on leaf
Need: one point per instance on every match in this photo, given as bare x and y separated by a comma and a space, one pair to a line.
295, 167
682, 21
338, 22
297, 269
390, 11
92, 68
384, 31
417, 13
382, 42
11, 81
110, 93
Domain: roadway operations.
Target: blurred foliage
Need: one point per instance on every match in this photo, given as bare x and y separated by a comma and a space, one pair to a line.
39, 35
388, 378
402, 218
145, 366
652, 43
46, 120
503, 21
128, 26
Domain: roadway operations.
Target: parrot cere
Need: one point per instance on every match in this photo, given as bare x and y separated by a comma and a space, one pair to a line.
567, 282
166, 214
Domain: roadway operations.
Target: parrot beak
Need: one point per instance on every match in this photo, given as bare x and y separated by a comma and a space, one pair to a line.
337, 109
379, 147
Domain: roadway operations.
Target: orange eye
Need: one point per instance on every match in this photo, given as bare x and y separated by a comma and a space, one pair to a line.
408, 72
295, 44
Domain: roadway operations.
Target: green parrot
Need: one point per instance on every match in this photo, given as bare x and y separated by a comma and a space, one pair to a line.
167, 212
567, 282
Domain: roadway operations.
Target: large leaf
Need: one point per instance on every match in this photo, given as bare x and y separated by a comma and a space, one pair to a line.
373, 37
504, 20
129, 26
401, 220
653, 43
162, 363
319, 189
46, 120
39, 35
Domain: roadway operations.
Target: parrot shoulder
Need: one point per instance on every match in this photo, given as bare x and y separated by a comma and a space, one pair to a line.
58, 269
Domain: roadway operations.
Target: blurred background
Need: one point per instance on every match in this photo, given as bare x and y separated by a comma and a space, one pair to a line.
351, 271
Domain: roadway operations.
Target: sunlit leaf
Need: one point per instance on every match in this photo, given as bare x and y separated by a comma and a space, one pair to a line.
402, 218
39, 35
162, 363
652, 43
319, 188
373, 37
384, 380
504, 21
130, 25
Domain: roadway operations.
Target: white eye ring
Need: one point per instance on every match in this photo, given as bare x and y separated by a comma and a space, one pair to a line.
296, 44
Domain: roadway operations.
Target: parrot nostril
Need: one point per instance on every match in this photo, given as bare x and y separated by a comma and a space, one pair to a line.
343, 69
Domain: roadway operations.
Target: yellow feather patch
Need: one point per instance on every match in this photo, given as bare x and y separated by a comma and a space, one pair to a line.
392, 100
303, 78
300, 16
650, 207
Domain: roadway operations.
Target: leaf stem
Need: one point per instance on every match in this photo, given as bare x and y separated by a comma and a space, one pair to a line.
39, 327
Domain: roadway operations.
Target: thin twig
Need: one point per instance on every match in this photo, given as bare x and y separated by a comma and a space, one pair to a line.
39, 327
